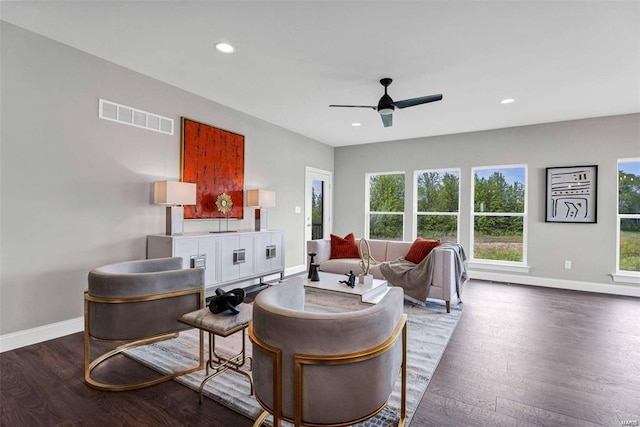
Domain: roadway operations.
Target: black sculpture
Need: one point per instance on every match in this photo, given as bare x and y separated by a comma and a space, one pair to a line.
351, 281
311, 261
313, 272
223, 301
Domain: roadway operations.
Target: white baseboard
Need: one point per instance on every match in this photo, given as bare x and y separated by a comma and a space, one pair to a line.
603, 288
41, 333
66, 327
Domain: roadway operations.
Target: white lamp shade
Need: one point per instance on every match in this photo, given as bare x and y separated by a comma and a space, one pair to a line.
174, 193
261, 198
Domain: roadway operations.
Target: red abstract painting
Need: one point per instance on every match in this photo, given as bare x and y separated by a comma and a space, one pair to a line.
214, 159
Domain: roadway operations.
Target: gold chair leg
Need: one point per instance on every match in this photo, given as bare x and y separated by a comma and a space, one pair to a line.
263, 416
90, 366
403, 391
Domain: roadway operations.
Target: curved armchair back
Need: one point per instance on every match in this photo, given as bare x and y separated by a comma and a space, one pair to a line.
324, 368
140, 299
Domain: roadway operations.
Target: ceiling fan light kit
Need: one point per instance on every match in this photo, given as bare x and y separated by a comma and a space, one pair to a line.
386, 105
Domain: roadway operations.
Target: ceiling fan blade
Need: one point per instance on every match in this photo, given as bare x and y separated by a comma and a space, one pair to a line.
417, 101
387, 120
354, 106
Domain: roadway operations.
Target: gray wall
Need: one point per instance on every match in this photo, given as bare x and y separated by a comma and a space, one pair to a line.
76, 190
601, 141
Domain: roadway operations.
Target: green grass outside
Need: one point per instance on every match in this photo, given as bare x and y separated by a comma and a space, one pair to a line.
630, 250
499, 248
509, 248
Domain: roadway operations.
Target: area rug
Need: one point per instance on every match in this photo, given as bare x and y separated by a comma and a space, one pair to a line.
429, 329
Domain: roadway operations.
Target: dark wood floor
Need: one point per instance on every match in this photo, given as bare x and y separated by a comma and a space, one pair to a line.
520, 356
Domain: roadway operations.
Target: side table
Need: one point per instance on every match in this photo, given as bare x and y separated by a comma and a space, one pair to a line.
222, 325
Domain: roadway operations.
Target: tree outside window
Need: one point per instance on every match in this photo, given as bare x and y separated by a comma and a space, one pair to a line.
385, 206
317, 210
437, 204
629, 215
499, 213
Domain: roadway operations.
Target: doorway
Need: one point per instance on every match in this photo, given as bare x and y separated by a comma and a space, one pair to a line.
318, 198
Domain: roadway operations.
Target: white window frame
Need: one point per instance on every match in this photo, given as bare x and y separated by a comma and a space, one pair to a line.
513, 266
367, 199
416, 173
623, 275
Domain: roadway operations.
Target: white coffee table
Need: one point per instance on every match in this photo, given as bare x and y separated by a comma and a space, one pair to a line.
371, 294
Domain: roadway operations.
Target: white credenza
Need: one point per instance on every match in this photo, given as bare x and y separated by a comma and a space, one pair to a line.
226, 257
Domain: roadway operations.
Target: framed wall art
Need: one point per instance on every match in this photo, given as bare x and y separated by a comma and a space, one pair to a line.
214, 159
572, 194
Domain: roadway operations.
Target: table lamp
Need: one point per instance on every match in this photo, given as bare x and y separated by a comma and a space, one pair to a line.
261, 199
175, 195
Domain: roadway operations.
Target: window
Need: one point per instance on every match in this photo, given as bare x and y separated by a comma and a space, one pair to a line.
384, 218
437, 201
629, 216
317, 209
499, 214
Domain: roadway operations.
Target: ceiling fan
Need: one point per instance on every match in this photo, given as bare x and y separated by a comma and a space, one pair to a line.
386, 105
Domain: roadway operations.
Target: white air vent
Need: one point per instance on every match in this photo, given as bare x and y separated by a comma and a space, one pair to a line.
134, 117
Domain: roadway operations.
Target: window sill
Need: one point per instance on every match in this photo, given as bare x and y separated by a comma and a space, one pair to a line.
498, 266
626, 278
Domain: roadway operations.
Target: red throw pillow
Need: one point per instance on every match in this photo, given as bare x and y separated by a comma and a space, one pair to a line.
344, 248
420, 249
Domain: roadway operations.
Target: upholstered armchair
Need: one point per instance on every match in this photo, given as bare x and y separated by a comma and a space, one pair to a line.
138, 302
330, 369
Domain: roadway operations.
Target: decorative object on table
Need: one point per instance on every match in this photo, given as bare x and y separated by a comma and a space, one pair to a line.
365, 262
572, 194
365, 279
214, 159
261, 199
311, 262
315, 277
351, 281
175, 195
223, 301
224, 204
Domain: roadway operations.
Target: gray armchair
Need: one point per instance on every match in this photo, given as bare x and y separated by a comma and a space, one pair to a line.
138, 302
332, 369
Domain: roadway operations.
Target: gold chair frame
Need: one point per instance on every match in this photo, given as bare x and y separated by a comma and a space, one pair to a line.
300, 360
89, 365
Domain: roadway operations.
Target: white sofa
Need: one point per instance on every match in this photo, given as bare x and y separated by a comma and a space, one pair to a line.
443, 284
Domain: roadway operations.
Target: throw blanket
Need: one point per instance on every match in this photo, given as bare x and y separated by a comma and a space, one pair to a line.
416, 279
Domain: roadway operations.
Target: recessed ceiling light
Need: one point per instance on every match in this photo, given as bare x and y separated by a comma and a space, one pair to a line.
225, 47
356, 124
507, 101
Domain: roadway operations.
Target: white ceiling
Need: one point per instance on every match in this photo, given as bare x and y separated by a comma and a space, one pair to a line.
559, 60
